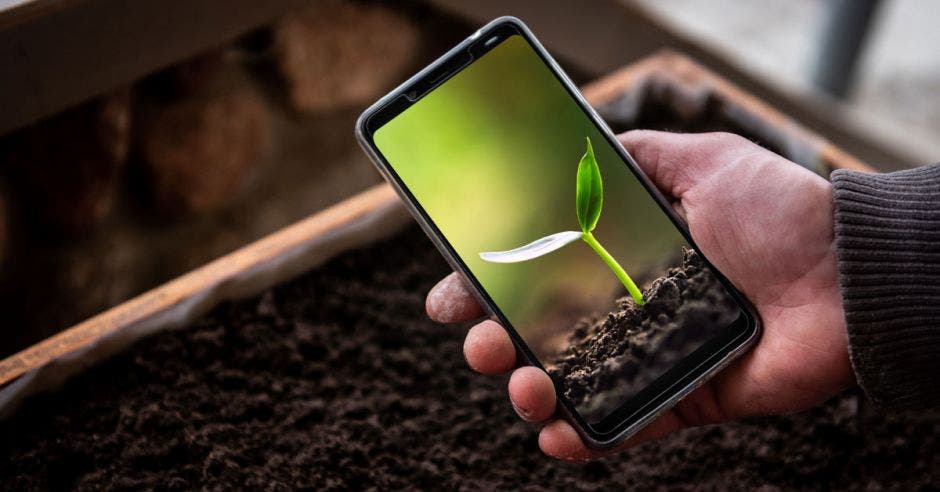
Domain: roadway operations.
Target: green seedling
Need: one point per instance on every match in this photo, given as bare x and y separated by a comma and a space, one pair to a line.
589, 201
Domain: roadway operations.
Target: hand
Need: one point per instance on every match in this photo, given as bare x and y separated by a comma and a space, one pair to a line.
763, 221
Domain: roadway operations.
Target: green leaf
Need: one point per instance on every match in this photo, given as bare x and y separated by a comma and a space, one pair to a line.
590, 190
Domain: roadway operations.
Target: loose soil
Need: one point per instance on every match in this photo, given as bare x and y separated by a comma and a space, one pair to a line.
610, 358
659, 105
338, 381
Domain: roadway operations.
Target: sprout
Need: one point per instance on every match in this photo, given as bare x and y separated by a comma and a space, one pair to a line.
589, 201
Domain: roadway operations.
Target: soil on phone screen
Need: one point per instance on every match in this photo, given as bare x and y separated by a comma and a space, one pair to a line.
607, 359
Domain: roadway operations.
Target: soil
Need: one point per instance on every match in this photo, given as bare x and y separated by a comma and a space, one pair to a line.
610, 358
338, 381
659, 105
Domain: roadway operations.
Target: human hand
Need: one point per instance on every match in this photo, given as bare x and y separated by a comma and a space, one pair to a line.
763, 221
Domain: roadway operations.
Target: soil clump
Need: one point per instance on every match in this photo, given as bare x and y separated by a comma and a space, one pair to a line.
610, 358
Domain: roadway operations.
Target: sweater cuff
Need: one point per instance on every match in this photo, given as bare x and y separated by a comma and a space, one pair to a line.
887, 230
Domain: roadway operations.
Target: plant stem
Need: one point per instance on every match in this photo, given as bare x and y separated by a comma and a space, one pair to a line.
615, 267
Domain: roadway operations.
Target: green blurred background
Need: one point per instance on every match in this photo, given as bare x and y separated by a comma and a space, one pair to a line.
492, 155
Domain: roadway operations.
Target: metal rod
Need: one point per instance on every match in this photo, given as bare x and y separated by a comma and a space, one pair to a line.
843, 38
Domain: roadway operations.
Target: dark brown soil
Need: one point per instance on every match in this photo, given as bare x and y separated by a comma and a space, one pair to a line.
338, 381
659, 105
610, 358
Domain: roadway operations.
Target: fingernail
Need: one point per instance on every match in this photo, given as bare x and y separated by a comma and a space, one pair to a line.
525, 414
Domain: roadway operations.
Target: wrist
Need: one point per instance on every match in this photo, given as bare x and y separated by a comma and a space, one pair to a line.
888, 260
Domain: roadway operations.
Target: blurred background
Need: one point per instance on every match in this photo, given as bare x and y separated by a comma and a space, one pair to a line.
141, 140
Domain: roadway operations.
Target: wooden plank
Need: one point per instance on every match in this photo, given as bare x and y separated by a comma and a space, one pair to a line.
163, 298
13, 12
58, 53
683, 71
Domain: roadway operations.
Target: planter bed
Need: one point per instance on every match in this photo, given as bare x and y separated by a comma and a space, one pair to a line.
336, 379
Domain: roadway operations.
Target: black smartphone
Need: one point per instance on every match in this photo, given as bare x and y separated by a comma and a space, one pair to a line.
565, 242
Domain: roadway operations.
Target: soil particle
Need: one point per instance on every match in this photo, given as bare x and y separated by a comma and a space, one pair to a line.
609, 358
338, 381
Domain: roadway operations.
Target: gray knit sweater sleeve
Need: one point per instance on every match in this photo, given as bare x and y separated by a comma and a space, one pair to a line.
887, 229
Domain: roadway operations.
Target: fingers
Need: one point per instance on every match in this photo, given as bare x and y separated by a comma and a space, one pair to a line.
488, 349
532, 394
559, 439
675, 162
451, 302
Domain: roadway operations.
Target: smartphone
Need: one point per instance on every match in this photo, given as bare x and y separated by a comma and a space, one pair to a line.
563, 240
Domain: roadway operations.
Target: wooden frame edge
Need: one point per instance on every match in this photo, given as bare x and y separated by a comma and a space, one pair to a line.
683, 70
202, 279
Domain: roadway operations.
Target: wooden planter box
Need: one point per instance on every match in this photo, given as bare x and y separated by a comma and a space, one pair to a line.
678, 88
666, 82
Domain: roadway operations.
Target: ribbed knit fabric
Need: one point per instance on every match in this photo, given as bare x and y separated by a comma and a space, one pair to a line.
887, 229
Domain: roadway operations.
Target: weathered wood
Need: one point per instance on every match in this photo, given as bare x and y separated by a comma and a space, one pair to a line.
55, 54
224, 272
681, 71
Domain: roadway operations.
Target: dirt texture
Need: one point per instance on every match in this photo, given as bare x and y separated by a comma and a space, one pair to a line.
338, 381
610, 358
660, 104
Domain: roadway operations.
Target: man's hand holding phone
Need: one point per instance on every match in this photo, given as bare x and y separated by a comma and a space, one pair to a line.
763, 221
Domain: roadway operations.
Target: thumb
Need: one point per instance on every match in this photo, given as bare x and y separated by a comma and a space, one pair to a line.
676, 162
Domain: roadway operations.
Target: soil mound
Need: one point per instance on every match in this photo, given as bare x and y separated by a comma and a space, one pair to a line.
609, 358
337, 381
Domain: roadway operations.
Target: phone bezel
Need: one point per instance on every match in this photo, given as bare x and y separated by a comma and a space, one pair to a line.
720, 350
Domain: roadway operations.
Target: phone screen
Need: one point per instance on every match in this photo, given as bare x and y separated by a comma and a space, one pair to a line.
494, 156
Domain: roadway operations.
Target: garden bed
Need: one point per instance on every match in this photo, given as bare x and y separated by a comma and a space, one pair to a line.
337, 379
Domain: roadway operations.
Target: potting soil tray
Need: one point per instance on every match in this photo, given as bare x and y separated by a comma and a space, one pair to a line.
337, 380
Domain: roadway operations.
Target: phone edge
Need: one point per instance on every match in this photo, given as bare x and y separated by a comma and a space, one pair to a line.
365, 144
